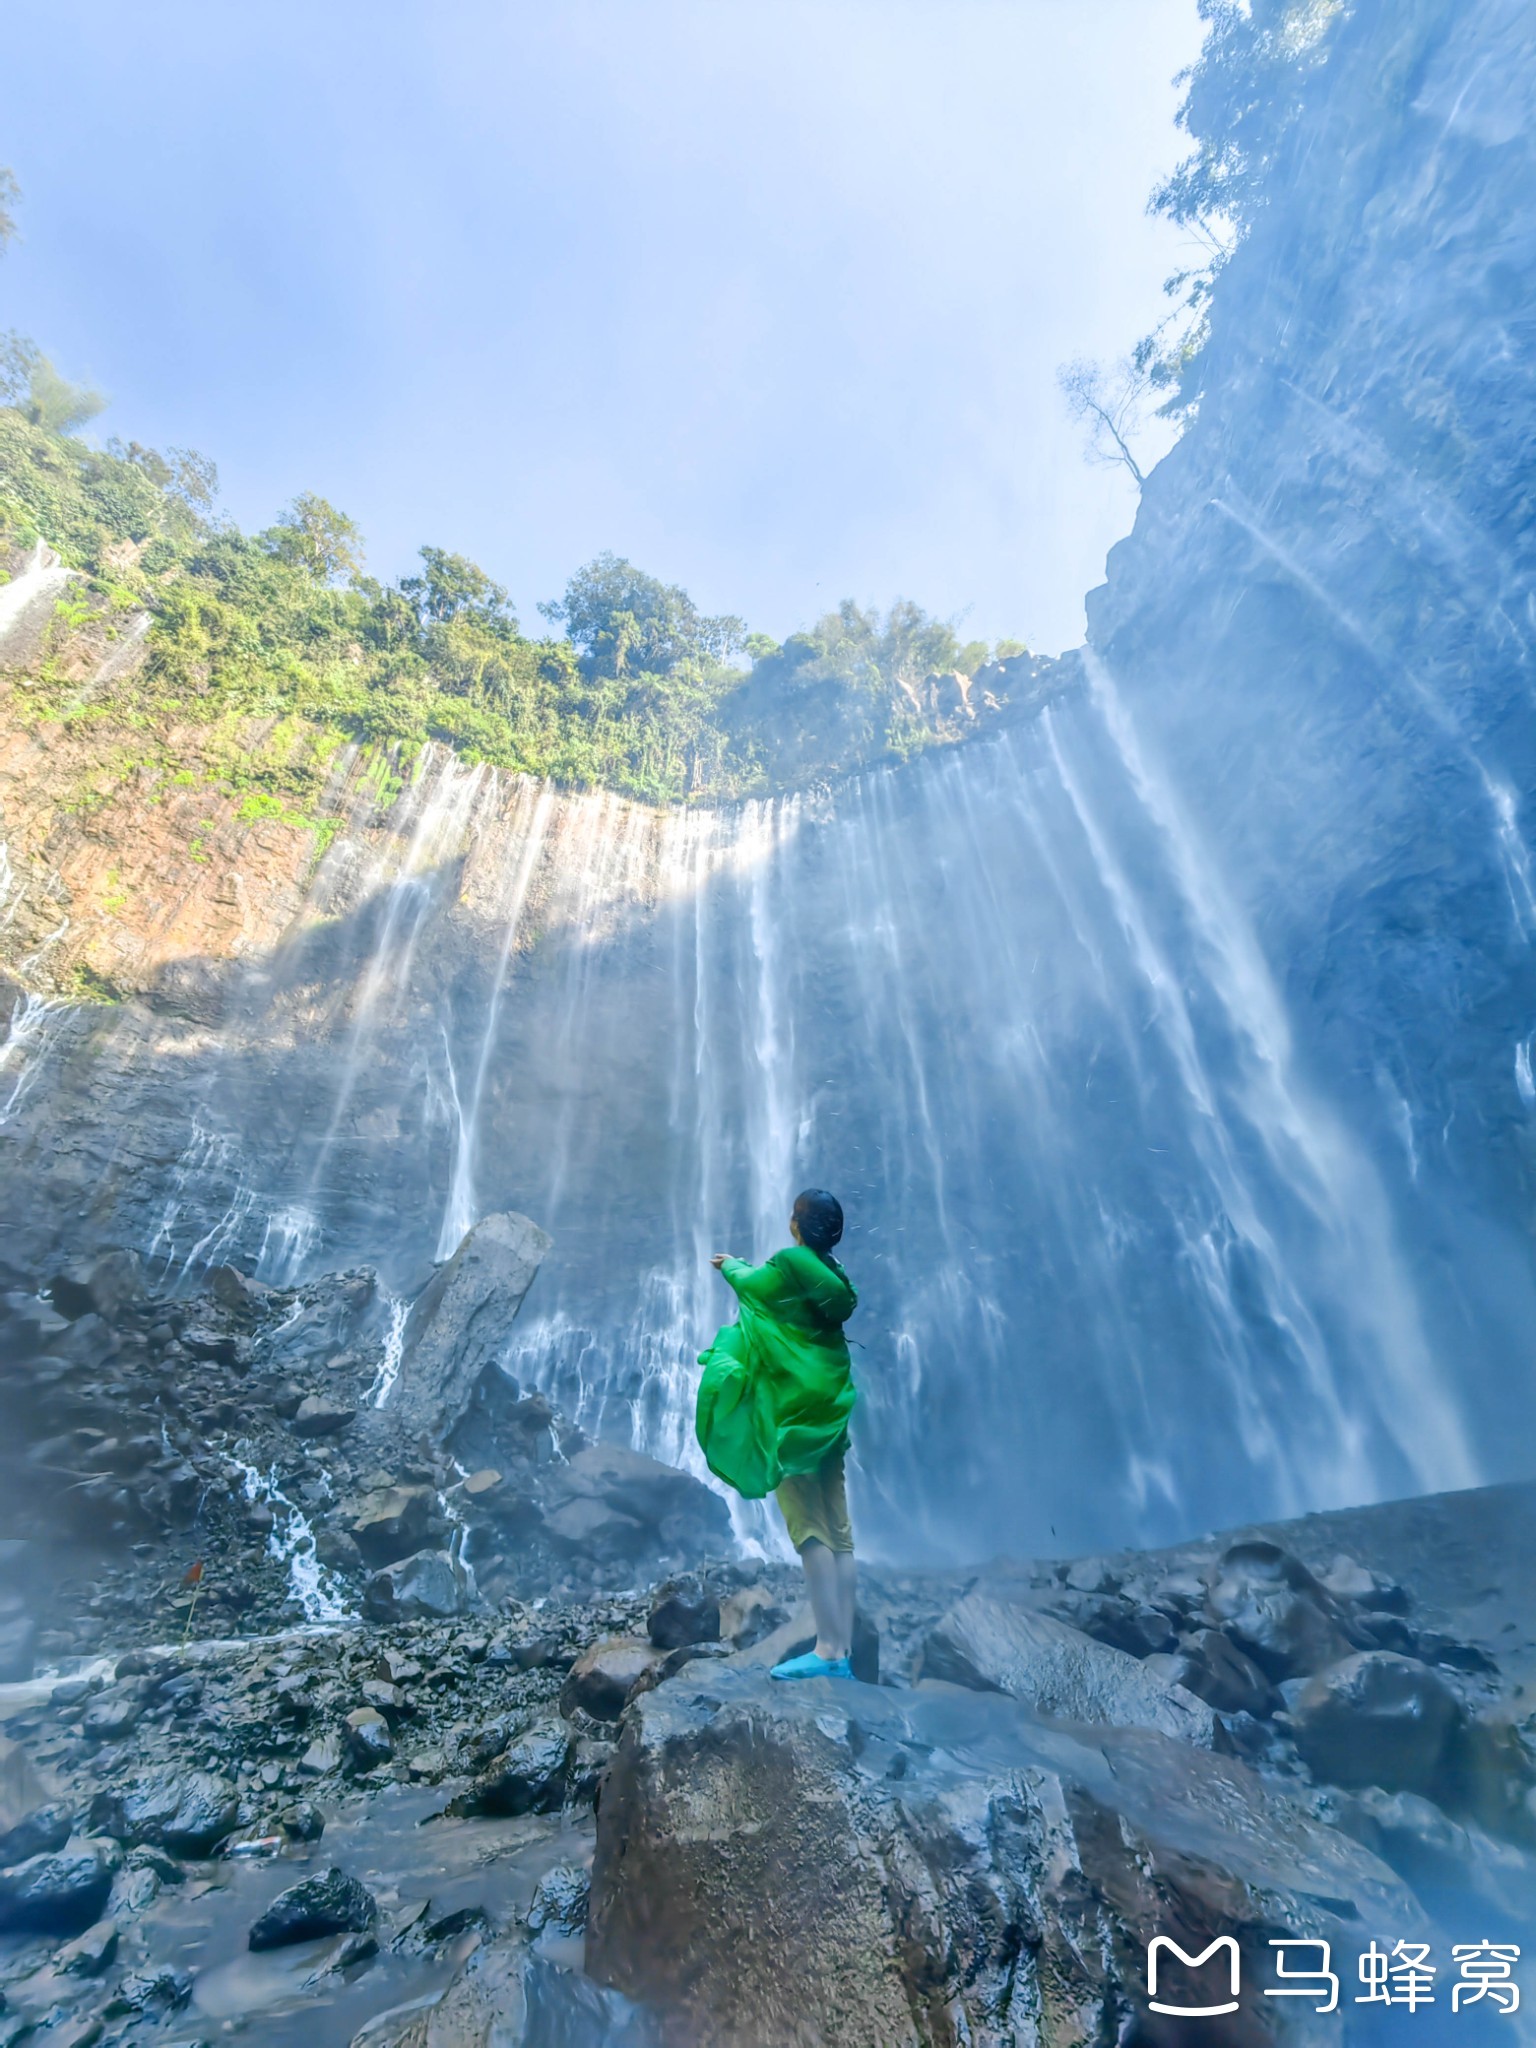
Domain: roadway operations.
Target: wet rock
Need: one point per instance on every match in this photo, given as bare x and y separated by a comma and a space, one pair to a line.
37, 1833
1214, 1669
1276, 1611
287, 1400
527, 1777
683, 1610
1437, 1855
188, 1815
102, 1286
387, 1699
560, 1901
114, 1713
329, 1903
322, 1756
22, 1790
749, 1614
318, 1416
369, 1742
302, 1822
899, 1857
421, 1588
151, 1993
458, 1324
629, 1483
995, 1645
600, 1680
89, 1953
394, 1522
60, 1893
1123, 1624
595, 1529
1376, 1719
237, 1291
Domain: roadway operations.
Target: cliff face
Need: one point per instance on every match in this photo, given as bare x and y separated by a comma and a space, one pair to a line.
1171, 1047
1324, 623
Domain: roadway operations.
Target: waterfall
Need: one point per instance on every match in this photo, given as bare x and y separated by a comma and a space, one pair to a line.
1127, 1261
40, 579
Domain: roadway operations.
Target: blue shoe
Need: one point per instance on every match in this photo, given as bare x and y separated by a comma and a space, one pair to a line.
812, 1666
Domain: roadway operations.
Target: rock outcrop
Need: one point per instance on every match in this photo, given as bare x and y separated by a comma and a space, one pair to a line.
460, 1323
901, 1861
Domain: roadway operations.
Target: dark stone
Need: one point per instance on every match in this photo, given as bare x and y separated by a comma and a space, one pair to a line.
1376, 1719
595, 1529
600, 1680
458, 1324
1276, 1611
560, 1901
59, 1893
38, 1833
993, 1644
102, 1286
302, 1822
643, 1488
527, 1777
152, 1992
683, 1610
394, 1522
900, 1854
328, 1903
319, 1417
421, 1588
1215, 1670
188, 1815
237, 1291
114, 1713
369, 1742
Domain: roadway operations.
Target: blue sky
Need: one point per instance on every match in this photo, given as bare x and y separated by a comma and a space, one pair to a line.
768, 295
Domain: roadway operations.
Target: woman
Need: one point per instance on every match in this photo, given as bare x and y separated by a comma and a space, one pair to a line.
773, 1412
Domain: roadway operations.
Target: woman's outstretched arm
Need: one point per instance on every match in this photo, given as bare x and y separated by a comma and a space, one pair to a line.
763, 1284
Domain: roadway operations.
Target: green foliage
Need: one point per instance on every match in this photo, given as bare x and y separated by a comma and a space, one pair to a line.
269, 651
1242, 97
30, 382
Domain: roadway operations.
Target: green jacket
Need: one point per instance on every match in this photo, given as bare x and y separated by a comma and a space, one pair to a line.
777, 1389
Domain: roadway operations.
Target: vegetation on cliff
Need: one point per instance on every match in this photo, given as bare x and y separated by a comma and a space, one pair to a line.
630, 686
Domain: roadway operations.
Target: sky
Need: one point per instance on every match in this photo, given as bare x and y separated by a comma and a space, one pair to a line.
767, 295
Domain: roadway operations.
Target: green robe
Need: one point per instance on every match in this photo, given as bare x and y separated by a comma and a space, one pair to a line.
777, 1389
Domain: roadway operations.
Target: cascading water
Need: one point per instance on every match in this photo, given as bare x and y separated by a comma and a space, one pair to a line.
1125, 1263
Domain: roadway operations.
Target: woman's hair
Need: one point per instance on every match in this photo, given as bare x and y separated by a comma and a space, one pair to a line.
819, 1217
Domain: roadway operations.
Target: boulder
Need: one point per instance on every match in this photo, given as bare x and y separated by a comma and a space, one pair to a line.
328, 1903
60, 1893
1124, 1624
102, 1286
600, 1680
237, 1291
594, 1529
527, 1777
188, 1814
459, 1322
652, 1493
1376, 1719
89, 1953
37, 1833
318, 1416
560, 1901
1276, 1611
1214, 1669
369, 1742
683, 1611
425, 1587
114, 1713
150, 1993
992, 1644
394, 1522
302, 1822
812, 1863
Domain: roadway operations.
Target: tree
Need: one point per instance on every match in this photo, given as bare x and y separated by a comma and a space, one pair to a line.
31, 383
452, 587
313, 535
626, 622
1108, 403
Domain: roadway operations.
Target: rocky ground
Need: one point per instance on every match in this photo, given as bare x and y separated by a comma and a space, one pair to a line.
430, 1722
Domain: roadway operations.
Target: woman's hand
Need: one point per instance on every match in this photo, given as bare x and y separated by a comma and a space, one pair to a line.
720, 1258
